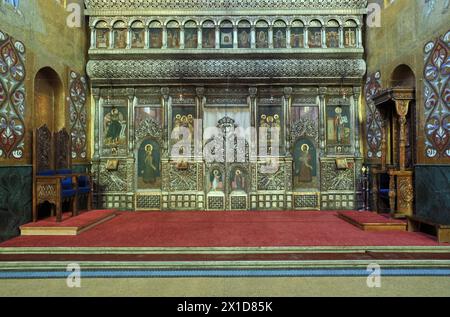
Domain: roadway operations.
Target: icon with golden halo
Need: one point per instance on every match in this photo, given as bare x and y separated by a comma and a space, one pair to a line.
149, 148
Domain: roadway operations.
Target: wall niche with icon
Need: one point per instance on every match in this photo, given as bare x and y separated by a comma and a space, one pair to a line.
305, 139
114, 132
339, 125
149, 165
269, 124
183, 118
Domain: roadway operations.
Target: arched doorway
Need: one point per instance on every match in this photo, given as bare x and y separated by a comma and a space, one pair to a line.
48, 100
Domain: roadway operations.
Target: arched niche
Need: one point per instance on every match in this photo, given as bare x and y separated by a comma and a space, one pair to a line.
403, 76
49, 100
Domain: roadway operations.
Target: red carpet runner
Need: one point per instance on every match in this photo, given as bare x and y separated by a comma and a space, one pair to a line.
225, 229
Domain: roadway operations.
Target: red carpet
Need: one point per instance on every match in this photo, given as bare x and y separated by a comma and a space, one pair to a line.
226, 229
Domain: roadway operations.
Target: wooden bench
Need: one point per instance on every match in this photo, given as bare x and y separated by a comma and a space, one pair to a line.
417, 224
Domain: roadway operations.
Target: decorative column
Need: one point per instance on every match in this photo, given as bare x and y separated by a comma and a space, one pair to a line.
165, 101
359, 37
253, 36
253, 91
217, 37
306, 38
131, 94
287, 104
128, 38
147, 38
96, 95
270, 36
200, 101
182, 37
341, 36
111, 38
93, 38
322, 116
288, 37
383, 144
235, 36
200, 37
355, 102
402, 107
164, 37
324, 37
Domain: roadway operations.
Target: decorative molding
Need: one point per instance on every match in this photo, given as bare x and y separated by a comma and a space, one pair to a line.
224, 5
224, 69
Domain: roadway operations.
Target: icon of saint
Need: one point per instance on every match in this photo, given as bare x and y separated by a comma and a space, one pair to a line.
304, 170
149, 174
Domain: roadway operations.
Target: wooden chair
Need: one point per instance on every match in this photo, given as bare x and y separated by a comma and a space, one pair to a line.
48, 185
63, 165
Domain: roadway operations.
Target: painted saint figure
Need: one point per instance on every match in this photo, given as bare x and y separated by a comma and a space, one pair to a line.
238, 181
149, 174
113, 125
216, 181
244, 39
304, 169
339, 125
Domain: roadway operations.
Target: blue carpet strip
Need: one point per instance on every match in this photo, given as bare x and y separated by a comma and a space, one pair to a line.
224, 273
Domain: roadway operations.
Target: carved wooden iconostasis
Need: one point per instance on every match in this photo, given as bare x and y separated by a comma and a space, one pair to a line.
293, 77
141, 129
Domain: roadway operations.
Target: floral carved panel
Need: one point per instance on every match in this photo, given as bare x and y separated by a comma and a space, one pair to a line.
12, 97
374, 120
78, 115
437, 98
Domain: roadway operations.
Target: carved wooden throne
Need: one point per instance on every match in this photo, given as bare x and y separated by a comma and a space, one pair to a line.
50, 184
394, 179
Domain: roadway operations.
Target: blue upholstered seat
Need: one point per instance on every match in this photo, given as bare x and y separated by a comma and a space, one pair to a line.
64, 172
67, 188
83, 185
66, 193
47, 173
84, 190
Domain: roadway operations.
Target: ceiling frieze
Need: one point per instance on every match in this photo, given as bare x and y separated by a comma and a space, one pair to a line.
126, 7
